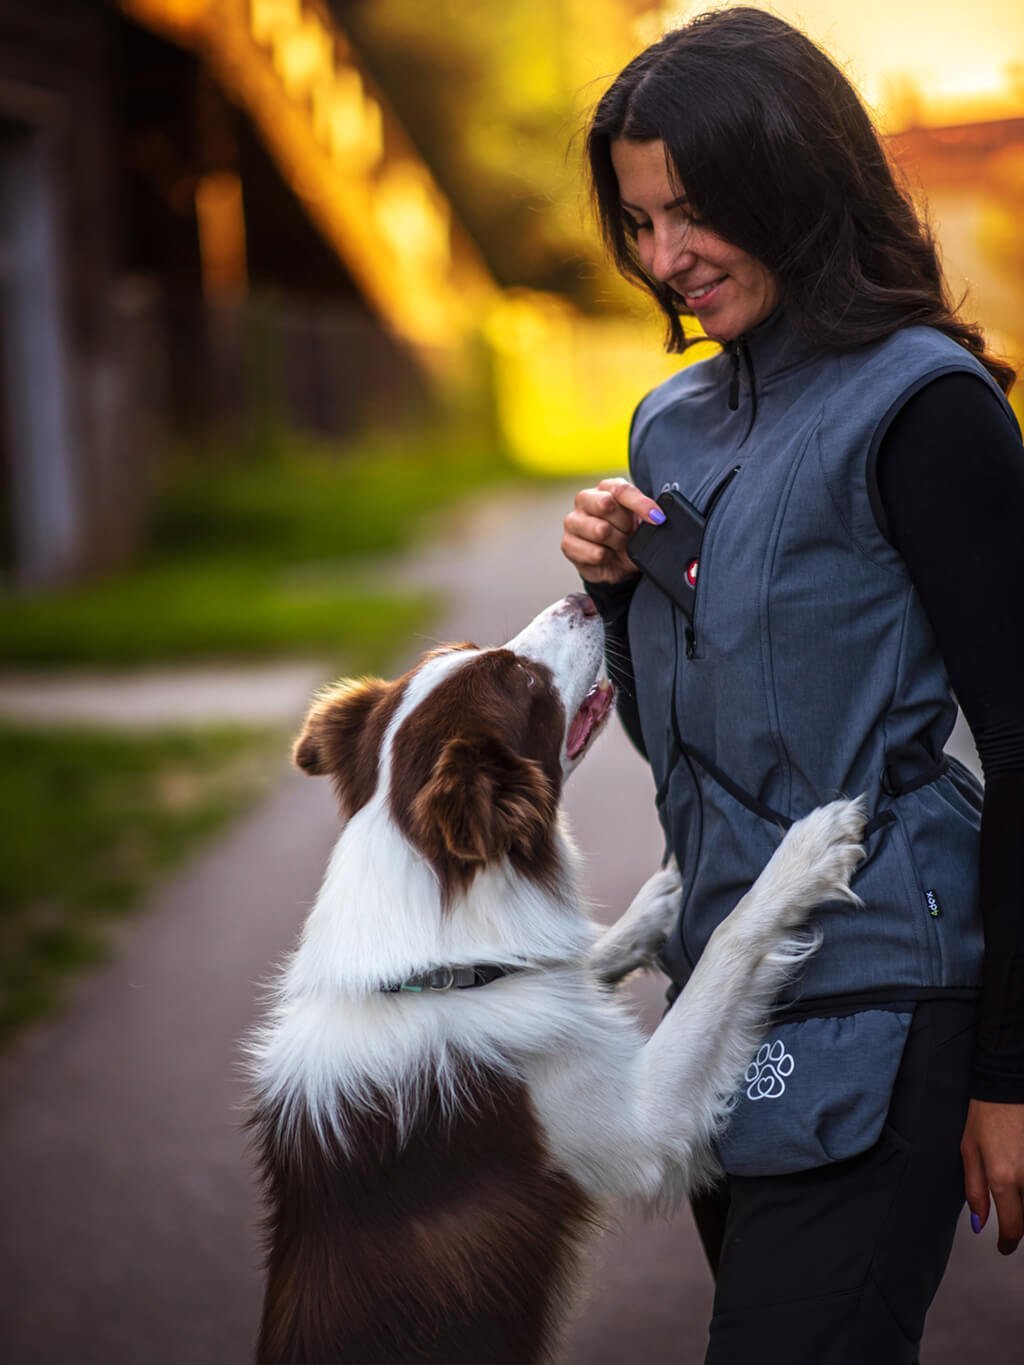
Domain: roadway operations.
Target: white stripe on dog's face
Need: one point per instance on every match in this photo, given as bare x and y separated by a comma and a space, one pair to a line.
568, 640
468, 751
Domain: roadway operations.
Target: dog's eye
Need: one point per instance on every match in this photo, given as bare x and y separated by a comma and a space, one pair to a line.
530, 679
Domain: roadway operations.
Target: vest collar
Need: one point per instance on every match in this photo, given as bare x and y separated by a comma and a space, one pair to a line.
773, 347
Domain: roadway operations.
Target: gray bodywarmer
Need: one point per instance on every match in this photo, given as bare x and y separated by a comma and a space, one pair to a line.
809, 671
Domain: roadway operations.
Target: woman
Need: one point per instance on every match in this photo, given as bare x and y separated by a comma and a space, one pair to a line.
860, 481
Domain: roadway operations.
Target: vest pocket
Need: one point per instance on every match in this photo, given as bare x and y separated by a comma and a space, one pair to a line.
816, 1091
887, 943
695, 633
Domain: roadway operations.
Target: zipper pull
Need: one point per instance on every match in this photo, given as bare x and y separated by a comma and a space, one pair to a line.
691, 642
734, 383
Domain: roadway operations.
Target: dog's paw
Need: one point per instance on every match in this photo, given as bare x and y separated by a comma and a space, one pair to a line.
817, 858
656, 905
636, 939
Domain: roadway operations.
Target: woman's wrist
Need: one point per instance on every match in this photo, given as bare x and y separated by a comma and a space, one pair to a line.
611, 599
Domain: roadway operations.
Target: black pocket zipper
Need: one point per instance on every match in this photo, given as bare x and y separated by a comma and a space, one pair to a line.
719, 489
716, 494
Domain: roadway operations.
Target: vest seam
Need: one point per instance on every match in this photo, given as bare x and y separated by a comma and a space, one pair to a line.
897, 674
767, 644
893, 571
926, 950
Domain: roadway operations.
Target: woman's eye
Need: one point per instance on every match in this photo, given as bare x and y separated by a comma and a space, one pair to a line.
633, 227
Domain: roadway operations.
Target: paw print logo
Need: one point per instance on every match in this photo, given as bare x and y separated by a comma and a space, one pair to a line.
766, 1074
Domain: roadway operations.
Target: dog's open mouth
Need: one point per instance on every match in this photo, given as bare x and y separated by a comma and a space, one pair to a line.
590, 717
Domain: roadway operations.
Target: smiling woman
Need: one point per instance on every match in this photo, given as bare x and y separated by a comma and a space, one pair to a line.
817, 472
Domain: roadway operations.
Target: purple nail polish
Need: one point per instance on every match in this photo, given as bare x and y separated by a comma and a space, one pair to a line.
975, 1222
656, 515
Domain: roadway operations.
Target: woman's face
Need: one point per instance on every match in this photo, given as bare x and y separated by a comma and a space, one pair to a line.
727, 290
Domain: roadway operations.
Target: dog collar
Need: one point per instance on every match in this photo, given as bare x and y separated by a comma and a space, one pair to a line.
452, 978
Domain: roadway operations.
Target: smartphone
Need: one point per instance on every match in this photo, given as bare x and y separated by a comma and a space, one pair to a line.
670, 554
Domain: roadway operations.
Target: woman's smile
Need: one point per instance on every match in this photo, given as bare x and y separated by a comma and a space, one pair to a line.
729, 290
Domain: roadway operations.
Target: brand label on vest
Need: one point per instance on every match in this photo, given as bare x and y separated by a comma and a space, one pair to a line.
765, 1076
932, 901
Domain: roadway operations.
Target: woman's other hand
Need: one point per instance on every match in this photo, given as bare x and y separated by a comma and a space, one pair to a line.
601, 522
993, 1155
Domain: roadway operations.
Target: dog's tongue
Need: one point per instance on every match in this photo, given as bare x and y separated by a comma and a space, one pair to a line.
595, 708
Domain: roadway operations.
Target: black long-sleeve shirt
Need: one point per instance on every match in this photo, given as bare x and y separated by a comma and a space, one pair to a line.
950, 498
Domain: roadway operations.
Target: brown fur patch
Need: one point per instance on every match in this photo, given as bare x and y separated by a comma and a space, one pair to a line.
476, 770
342, 735
453, 1247
345, 727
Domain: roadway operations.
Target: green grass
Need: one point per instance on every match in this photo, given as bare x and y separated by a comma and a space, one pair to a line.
90, 820
260, 552
200, 609
300, 502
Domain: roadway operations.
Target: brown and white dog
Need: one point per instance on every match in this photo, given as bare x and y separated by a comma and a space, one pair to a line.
435, 1158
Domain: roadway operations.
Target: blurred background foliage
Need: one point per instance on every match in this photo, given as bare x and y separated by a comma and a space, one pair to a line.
490, 96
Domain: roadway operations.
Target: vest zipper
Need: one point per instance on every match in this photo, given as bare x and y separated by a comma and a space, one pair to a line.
734, 382
737, 350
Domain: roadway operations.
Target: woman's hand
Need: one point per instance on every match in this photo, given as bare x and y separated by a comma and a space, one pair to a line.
993, 1155
599, 525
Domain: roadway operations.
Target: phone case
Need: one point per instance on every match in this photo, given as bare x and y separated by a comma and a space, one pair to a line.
670, 554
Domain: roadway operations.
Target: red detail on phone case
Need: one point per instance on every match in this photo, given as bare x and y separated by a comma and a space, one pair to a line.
691, 572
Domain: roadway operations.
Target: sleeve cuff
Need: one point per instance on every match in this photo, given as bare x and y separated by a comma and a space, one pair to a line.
612, 599
997, 1087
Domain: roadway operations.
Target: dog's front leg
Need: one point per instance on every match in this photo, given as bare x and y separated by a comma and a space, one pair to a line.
692, 1064
636, 938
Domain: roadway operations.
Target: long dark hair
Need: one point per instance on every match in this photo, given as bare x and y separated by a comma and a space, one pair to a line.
779, 157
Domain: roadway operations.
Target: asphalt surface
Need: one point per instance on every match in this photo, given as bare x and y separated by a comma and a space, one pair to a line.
128, 1210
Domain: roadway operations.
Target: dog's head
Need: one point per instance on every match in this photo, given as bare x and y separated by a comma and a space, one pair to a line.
470, 748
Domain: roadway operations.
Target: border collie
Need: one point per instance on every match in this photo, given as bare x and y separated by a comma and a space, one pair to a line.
448, 1091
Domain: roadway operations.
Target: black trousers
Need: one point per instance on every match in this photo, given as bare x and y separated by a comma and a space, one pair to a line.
839, 1265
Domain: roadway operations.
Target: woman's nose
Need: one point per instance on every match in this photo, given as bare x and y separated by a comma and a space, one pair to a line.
670, 257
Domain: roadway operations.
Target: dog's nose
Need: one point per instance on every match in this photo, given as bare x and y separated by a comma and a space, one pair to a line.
585, 603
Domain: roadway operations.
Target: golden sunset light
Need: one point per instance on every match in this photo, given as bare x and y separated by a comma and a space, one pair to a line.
949, 63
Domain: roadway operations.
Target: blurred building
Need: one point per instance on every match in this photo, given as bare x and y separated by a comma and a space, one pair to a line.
208, 220
969, 179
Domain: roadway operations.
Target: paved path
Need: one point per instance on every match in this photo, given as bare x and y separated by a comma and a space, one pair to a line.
254, 694
128, 1212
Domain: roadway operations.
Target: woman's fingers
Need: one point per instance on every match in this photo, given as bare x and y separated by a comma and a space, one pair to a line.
993, 1155
599, 563
628, 496
1010, 1212
602, 505
975, 1183
597, 530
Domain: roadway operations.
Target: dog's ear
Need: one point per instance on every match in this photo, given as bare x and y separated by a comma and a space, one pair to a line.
483, 800
342, 734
